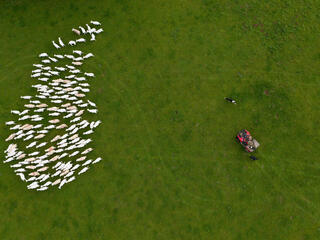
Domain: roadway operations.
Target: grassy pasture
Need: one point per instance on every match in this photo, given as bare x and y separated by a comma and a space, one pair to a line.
171, 167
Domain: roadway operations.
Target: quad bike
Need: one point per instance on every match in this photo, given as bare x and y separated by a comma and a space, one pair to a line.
247, 141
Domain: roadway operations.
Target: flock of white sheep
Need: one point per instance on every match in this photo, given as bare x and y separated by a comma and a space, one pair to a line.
49, 135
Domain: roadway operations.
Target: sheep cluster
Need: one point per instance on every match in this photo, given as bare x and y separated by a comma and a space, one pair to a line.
50, 129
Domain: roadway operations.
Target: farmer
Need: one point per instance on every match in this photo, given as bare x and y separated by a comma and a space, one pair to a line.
253, 158
230, 100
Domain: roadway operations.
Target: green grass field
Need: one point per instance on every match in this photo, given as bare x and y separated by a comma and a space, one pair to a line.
171, 168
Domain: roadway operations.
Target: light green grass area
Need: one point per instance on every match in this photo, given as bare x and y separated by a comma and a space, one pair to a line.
171, 168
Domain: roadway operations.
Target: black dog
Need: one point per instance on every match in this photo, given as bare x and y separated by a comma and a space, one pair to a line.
230, 100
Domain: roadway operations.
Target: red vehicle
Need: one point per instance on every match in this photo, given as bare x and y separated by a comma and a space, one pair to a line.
247, 141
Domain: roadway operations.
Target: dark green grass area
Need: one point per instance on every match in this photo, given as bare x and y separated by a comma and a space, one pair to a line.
171, 168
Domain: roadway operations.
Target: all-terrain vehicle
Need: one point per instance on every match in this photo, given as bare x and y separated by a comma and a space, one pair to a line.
247, 141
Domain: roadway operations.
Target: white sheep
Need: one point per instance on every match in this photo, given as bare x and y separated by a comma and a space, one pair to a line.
73, 154
70, 66
97, 123
53, 59
29, 105
77, 52
60, 42
60, 68
81, 40
92, 110
10, 123
76, 31
57, 165
54, 114
63, 155
33, 154
37, 119
56, 101
37, 126
36, 74
95, 23
69, 174
47, 68
55, 45
29, 137
46, 184
73, 137
45, 178
72, 43
87, 151
88, 55
62, 183
80, 78
100, 30
54, 73
46, 61
69, 56
33, 186
19, 170
39, 136
70, 76
75, 119
42, 188
93, 37
77, 63
11, 137
41, 144
50, 127
40, 110
43, 55
84, 84
89, 74
56, 182
83, 170
97, 160
79, 113
71, 179
87, 162
21, 175
43, 131
82, 30
26, 97
89, 28
88, 132
43, 169
15, 127
37, 65
58, 56
78, 59
62, 126
31, 144
47, 74
59, 150
75, 71
92, 30
41, 96
74, 130
92, 103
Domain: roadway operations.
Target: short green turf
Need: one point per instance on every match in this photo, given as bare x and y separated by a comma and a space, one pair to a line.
171, 168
